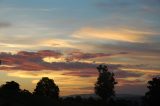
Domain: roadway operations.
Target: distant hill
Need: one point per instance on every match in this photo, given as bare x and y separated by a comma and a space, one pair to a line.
129, 97
83, 95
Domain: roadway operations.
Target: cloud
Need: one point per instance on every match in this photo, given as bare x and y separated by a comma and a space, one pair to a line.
126, 35
130, 80
110, 4
120, 73
47, 59
83, 73
4, 24
150, 67
122, 6
57, 43
35, 61
78, 55
31, 65
28, 60
139, 89
133, 47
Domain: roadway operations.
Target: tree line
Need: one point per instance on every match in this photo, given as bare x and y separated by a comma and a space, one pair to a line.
47, 92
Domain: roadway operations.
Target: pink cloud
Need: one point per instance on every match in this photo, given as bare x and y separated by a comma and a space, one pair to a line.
33, 61
77, 55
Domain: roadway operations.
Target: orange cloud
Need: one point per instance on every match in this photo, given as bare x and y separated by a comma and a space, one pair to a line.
127, 35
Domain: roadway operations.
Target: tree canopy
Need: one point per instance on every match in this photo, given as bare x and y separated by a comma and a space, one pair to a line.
153, 95
10, 89
47, 87
104, 86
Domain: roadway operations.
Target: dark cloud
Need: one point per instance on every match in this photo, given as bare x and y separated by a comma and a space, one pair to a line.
28, 60
77, 55
112, 4
33, 61
123, 74
4, 24
143, 67
126, 81
123, 4
151, 1
93, 72
133, 47
89, 73
42, 53
139, 89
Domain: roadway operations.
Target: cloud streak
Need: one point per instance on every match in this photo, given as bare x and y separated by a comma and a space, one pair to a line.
126, 35
4, 24
33, 61
78, 55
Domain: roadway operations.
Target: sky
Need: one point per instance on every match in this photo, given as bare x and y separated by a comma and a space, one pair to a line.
67, 39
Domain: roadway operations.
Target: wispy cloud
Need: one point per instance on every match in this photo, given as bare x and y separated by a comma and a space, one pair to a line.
57, 43
126, 35
78, 55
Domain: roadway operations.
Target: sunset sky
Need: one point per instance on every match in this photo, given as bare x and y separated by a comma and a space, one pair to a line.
67, 39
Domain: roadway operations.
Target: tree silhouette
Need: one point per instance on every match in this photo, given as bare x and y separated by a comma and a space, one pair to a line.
25, 93
47, 87
104, 86
152, 97
10, 89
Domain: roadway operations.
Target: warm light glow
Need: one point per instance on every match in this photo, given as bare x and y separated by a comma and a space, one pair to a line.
52, 59
112, 34
145, 71
65, 82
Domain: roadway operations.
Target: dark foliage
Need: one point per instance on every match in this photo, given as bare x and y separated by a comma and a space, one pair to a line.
104, 86
25, 93
10, 89
47, 87
152, 97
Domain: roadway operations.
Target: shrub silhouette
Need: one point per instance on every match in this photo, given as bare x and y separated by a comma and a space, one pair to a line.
104, 86
47, 87
152, 97
10, 89
25, 93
